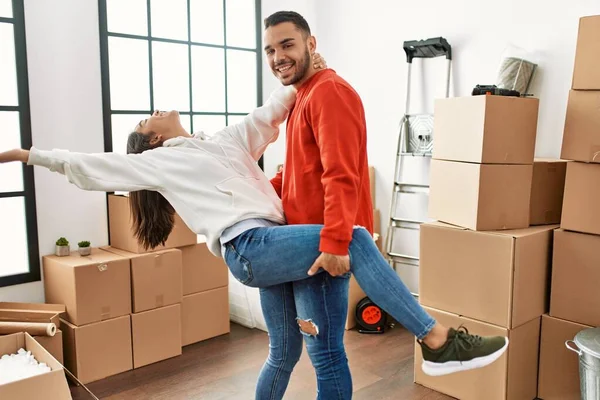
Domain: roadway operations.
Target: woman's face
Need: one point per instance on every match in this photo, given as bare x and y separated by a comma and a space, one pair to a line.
160, 124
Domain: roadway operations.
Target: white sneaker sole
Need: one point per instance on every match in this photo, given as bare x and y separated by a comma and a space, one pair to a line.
450, 367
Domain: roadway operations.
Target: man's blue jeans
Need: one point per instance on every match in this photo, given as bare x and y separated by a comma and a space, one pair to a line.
269, 258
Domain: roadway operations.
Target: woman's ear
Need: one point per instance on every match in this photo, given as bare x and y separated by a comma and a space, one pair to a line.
155, 139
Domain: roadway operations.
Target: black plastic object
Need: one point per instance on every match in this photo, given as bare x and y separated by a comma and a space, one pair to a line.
494, 90
370, 317
430, 48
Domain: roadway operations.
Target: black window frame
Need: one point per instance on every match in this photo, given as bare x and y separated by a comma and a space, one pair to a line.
28, 193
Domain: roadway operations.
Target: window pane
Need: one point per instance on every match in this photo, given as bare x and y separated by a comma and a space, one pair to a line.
129, 75
241, 81
122, 126
208, 79
235, 119
169, 19
128, 16
8, 70
13, 241
6, 8
209, 124
11, 174
170, 68
207, 21
241, 25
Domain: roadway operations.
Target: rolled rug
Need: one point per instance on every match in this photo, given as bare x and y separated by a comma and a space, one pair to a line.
33, 328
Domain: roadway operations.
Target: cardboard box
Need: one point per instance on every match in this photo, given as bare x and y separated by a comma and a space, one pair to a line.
377, 229
121, 234
586, 74
202, 271
93, 288
156, 335
485, 129
512, 377
99, 350
581, 212
52, 384
575, 277
497, 277
559, 367
581, 138
204, 315
156, 278
547, 189
53, 345
355, 295
480, 196
372, 183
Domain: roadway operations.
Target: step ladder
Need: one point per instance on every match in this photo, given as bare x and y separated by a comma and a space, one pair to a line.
410, 195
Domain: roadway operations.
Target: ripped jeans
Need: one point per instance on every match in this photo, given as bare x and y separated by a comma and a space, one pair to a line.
269, 257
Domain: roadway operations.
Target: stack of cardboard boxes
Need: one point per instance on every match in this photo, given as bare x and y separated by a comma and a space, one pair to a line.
125, 307
482, 265
574, 300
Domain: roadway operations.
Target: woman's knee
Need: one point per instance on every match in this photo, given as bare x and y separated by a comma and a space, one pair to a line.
286, 355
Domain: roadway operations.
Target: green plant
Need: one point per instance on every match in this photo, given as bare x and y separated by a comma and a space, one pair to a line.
84, 243
62, 242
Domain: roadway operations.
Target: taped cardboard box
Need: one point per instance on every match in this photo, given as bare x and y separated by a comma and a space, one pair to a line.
559, 367
581, 138
53, 383
121, 234
486, 129
575, 276
202, 271
547, 189
93, 288
499, 277
481, 197
99, 350
37, 312
156, 335
205, 315
512, 377
580, 211
586, 74
156, 278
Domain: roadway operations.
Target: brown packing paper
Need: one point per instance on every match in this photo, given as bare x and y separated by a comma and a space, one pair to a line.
33, 328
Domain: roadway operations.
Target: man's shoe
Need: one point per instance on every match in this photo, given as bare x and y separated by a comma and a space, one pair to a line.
461, 352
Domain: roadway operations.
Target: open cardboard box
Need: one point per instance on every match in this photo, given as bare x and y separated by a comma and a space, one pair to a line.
52, 384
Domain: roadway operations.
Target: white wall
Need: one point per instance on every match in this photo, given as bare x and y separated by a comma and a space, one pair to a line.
63, 53
362, 41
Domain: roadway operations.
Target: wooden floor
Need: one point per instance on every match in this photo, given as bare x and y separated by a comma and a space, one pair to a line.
227, 368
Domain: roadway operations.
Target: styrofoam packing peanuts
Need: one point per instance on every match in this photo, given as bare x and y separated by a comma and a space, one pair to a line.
19, 366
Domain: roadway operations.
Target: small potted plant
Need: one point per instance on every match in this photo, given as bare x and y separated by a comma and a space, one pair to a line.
62, 247
84, 248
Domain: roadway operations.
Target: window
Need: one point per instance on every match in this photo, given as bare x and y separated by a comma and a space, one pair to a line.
18, 236
200, 57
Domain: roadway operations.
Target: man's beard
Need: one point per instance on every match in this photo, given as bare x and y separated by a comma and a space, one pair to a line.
301, 70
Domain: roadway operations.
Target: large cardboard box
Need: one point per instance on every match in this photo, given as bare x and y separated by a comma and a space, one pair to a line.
50, 385
581, 138
202, 271
156, 278
480, 196
559, 367
586, 74
512, 377
581, 212
121, 234
486, 129
499, 277
156, 335
93, 288
204, 315
547, 189
575, 277
99, 350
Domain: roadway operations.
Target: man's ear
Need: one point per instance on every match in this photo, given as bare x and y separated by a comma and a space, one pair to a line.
312, 45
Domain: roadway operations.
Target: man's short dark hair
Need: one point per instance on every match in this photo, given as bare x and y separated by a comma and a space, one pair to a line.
288, 16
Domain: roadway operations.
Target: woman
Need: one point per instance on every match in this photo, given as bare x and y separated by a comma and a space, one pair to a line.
216, 186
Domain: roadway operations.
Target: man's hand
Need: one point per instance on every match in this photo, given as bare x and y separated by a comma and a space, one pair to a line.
14, 155
335, 265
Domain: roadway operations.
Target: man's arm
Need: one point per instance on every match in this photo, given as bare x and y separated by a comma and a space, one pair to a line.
277, 182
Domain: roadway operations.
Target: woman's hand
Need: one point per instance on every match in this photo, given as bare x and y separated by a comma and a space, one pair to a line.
14, 155
319, 62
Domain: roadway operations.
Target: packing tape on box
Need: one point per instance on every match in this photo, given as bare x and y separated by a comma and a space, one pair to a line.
33, 328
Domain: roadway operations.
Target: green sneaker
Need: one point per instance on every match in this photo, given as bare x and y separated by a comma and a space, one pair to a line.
461, 352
